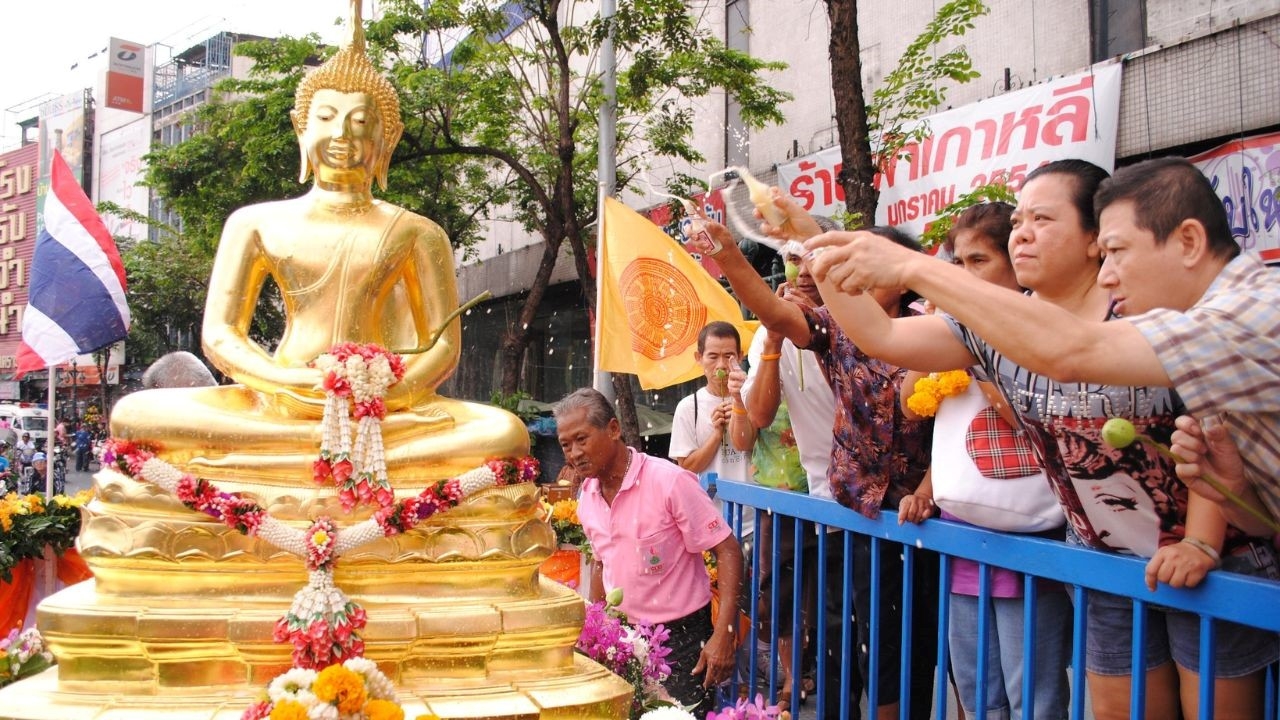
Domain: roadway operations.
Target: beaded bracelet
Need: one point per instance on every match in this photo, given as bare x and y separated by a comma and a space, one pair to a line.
1205, 548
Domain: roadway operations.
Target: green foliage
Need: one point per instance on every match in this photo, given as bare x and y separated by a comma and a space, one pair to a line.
28, 523
168, 279
918, 84
991, 192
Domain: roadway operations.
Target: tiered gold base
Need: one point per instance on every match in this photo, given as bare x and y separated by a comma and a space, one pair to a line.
178, 620
585, 691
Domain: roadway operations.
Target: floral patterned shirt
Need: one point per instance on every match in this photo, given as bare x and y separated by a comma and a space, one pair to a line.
877, 455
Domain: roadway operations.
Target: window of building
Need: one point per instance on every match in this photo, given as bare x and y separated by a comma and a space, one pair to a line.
1117, 27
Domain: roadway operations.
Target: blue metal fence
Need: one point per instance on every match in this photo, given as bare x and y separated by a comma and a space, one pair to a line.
1223, 596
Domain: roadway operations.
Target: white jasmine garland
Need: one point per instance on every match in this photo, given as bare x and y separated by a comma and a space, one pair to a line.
294, 541
295, 685
668, 713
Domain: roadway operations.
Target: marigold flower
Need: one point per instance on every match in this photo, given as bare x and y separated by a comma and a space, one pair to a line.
339, 686
288, 710
383, 710
953, 382
923, 404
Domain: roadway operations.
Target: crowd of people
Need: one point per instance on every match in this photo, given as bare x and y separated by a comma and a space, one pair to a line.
1096, 297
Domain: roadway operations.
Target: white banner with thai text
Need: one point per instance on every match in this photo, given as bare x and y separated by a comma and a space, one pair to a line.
1246, 175
1006, 136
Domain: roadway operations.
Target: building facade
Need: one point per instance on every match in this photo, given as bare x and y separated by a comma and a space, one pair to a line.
1195, 74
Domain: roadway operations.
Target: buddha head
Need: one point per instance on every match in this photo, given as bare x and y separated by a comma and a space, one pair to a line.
347, 115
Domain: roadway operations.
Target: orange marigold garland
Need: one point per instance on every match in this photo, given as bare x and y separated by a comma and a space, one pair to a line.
932, 389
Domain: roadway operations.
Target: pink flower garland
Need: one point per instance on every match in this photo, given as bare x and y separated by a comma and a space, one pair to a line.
322, 623
356, 375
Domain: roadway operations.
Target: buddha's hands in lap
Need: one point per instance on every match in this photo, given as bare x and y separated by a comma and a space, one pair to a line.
303, 394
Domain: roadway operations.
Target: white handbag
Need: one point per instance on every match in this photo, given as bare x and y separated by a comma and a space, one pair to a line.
984, 472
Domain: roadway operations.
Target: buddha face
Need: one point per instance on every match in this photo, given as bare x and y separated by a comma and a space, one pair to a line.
342, 139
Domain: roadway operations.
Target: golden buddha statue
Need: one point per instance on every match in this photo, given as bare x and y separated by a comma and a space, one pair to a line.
350, 269
180, 613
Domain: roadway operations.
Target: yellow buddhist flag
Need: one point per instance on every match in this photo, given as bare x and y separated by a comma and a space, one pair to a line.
654, 300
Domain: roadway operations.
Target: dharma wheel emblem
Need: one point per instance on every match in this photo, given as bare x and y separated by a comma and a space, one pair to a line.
663, 307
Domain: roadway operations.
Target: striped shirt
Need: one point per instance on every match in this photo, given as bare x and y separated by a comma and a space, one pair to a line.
1223, 356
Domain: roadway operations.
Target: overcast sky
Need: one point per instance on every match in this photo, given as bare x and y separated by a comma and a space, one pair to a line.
43, 40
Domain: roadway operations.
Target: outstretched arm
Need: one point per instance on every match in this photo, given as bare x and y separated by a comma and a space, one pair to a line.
752, 291
1035, 334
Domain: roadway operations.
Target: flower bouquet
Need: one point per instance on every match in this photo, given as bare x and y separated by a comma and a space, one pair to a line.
743, 710
636, 652
564, 520
354, 690
24, 655
28, 523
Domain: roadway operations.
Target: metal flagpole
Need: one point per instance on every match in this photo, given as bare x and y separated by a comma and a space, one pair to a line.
50, 559
607, 168
49, 436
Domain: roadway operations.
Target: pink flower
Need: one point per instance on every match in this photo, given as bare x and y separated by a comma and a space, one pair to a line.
337, 385
258, 711
373, 407
356, 616
280, 632
397, 365
347, 497
321, 471
384, 496
342, 471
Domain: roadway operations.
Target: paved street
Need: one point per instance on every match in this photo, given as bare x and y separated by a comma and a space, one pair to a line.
77, 481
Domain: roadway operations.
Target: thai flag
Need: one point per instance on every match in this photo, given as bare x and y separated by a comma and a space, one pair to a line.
76, 292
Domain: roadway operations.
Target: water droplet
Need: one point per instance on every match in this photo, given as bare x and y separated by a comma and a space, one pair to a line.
919, 544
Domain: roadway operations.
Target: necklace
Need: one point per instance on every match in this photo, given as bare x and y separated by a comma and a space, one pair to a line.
625, 468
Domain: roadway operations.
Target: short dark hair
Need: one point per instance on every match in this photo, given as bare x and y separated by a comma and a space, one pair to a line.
1086, 178
1165, 192
720, 329
991, 220
902, 238
599, 410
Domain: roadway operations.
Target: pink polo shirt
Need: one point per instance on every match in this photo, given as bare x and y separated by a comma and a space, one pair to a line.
651, 539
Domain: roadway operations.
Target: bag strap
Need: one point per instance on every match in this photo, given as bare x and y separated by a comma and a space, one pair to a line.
997, 401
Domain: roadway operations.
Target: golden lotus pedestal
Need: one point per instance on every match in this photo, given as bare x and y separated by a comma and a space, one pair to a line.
178, 621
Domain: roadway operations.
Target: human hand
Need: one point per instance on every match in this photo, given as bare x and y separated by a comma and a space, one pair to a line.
1207, 450
737, 377
788, 292
857, 261
1178, 565
915, 509
716, 661
721, 415
715, 238
799, 224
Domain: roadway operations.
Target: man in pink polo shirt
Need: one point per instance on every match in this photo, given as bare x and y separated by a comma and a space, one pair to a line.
649, 522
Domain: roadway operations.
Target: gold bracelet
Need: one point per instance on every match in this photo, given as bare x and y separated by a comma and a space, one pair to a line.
766, 357
1205, 548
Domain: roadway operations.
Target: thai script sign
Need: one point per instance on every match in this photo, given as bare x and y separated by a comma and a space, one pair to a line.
1246, 175
1003, 137
18, 180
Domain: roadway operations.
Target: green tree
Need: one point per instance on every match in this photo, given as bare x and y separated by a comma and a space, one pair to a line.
875, 132
244, 151
528, 101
